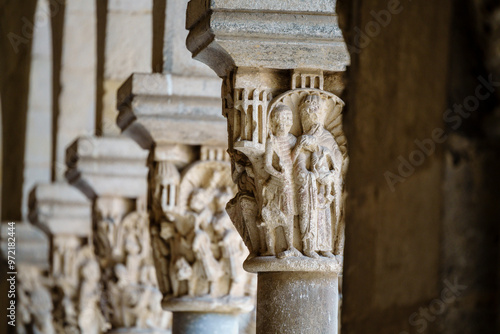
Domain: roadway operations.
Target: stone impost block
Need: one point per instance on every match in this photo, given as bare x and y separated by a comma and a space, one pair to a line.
167, 109
113, 166
59, 208
31, 245
268, 34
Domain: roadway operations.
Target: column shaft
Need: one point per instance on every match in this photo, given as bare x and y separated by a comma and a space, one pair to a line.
206, 323
297, 302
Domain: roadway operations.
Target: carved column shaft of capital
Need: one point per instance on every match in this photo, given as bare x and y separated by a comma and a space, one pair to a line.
282, 74
120, 291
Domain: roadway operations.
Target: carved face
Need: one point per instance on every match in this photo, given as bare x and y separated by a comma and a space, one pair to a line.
310, 112
198, 200
281, 120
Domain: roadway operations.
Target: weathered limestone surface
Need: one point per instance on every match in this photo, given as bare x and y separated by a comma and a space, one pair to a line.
26, 234
176, 59
37, 162
268, 34
151, 103
77, 99
198, 253
128, 27
59, 208
281, 65
112, 172
107, 166
33, 288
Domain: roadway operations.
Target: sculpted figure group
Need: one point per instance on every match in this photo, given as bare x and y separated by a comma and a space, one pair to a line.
302, 173
196, 241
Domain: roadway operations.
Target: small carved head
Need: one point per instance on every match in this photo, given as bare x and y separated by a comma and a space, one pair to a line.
281, 120
132, 245
199, 200
311, 111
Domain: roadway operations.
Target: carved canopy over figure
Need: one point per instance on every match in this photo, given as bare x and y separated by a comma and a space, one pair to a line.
294, 185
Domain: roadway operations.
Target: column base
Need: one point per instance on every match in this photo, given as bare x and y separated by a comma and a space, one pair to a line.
297, 302
206, 323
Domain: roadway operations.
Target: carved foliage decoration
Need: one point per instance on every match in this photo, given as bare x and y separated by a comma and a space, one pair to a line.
289, 160
198, 252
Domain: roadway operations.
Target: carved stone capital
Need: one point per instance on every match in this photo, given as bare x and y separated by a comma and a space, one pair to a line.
289, 158
113, 173
131, 298
197, 251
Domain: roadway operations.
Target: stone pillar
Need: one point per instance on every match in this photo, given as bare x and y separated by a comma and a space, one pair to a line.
112, 172
30, 274
282, 66
76, 83
37, 157
64, 214
198, 254
128, 27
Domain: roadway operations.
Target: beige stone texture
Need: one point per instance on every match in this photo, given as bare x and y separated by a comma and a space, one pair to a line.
59, 208
77, 98
107, 166
39, 123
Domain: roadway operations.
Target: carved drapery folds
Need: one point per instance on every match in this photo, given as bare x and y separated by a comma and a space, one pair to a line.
289, 157
198, 253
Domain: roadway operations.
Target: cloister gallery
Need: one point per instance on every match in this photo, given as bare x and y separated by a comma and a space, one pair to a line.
250, 166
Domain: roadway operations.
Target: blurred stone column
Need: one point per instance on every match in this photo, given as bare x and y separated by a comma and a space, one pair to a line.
28, 278
74, 35
282, 64
64, 214
123, 25
112, 172
198, 254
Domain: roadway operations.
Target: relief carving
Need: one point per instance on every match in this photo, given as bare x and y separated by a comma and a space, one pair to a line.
131, 297
198, 253
289, 160
34, 301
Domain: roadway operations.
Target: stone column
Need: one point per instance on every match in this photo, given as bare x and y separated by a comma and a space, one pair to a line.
30, 274
75, 76
282, 64
197, 252
112, 172
64, 214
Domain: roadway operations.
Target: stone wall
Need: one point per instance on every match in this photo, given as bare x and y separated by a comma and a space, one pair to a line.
421, 238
